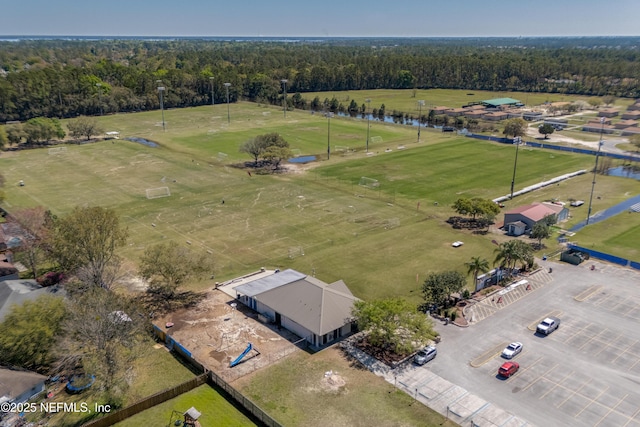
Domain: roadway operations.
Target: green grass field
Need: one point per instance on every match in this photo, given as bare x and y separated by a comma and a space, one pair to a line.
377, 240
382, 242
216, 411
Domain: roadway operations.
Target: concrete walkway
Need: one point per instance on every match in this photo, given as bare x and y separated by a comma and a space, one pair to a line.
453, 402
608, 213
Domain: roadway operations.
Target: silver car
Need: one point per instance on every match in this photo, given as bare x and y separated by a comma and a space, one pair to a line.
425, 355
512, 350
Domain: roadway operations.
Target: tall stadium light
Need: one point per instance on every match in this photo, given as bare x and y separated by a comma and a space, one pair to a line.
329, 115
213, 101
595, 169
368, 101
226, 85
284, 102
99, 86
161, 92
517, 140
420, 104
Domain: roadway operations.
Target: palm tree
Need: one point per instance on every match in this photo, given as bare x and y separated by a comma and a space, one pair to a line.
476, 266
508, 254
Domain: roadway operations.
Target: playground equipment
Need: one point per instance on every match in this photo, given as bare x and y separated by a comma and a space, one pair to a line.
246, 351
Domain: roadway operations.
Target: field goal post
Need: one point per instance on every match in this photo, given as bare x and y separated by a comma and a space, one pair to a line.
155, 193
57, 150
370, 183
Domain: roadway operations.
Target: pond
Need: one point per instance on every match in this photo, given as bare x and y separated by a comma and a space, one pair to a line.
625, 172
142, 141
302, 159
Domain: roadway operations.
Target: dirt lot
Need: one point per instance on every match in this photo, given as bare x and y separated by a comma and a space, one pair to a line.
216, 333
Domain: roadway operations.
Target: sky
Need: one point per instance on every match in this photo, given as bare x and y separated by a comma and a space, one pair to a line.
325, 18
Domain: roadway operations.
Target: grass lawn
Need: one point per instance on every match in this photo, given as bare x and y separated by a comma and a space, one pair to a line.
406, 100
296, 393
215, 410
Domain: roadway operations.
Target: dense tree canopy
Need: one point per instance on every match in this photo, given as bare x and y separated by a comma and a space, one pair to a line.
56, 78
30, 331
85, 242
438, 287
393, 324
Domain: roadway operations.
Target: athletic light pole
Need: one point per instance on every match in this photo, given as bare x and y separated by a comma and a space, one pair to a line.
516, 141
420, 104
595, 170
226, 85
99, 86
213, 101
329, 115
368, 101
284, 102
161, 91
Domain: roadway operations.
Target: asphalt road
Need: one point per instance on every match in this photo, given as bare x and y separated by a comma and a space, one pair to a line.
587, 373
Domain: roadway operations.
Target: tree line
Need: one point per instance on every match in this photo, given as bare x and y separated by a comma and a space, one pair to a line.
55, 78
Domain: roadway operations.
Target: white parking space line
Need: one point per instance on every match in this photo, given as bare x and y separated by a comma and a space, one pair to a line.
633, 417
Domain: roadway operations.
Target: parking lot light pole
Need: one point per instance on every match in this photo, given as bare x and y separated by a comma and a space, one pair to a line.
420, 104
368, 101
329, 115
226, 85
213, 101
161, 91
284, 102
595, 170
516, 141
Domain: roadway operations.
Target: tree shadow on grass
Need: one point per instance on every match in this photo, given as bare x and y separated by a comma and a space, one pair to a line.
159, 304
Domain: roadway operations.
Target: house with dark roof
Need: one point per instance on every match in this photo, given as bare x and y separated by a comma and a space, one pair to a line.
16, 292
20, 386
521, 219
312, 309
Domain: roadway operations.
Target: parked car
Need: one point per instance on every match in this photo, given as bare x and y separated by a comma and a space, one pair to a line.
425, 355
508, 368
548, 325
512, 350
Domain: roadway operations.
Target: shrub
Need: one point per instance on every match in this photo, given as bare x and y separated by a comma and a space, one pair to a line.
51, 278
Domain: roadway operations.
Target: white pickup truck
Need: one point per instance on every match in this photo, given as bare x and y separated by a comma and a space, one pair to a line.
548, 325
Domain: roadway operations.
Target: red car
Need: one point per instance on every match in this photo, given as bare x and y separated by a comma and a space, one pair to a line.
508, 368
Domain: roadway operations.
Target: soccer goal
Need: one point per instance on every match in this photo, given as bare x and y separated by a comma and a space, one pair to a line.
375, 139
154, 193
222, 157
57, 150
369, 183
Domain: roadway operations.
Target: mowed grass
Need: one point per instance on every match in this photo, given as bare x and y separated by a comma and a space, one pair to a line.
382, 242
216, 411
296, 393
407, 100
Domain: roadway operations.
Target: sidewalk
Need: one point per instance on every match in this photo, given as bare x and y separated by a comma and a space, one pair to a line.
453, 402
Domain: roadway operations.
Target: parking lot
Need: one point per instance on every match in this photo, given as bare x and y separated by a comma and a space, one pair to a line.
586, 373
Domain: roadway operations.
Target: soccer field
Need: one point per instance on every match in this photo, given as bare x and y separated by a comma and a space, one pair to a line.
382, 241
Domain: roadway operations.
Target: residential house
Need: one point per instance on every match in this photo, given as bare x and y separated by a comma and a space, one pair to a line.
597, 127
312, 309
496, 116
631, 115
625, 124
608, 112
20, 386
16, 292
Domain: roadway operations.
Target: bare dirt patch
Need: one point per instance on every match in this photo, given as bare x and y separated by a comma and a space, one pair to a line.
218, 329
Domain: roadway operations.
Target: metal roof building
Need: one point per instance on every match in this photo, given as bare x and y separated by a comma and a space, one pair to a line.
499, 102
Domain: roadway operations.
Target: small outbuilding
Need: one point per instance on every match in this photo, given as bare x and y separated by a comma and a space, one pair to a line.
521, 220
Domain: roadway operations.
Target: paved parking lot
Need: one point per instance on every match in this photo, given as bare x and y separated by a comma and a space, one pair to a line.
586, 373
